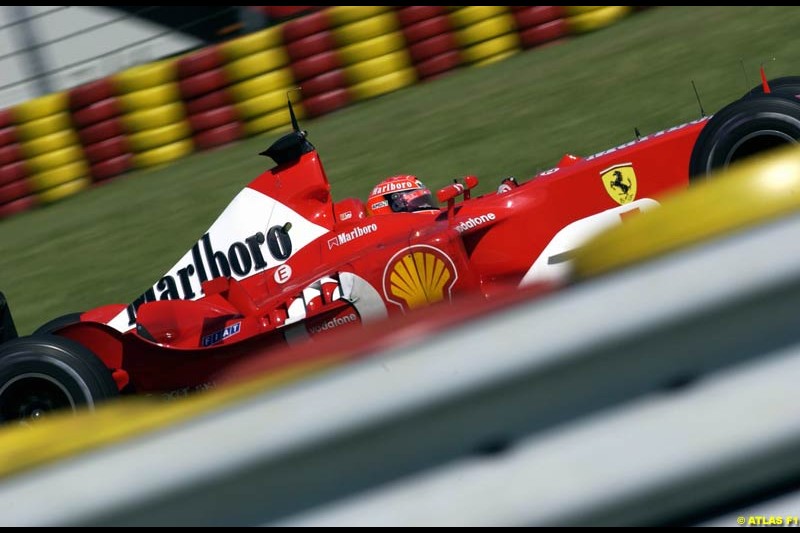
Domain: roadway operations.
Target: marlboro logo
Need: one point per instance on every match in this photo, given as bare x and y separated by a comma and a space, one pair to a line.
347, 236
242, 258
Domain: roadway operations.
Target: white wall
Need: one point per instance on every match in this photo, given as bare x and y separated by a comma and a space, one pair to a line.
116, 39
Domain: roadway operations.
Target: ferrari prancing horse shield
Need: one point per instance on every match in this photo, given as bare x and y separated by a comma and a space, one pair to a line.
620, 182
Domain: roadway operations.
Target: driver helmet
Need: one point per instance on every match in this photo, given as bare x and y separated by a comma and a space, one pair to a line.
399, 194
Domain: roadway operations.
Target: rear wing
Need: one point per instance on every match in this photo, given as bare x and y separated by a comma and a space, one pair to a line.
7, 329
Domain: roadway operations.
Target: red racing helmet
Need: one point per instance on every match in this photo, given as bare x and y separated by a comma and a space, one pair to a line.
399, 194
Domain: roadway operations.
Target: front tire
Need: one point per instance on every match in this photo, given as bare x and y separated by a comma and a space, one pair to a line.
743, 129
44, 373
57, 324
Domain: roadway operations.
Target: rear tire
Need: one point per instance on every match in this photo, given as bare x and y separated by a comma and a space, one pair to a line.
785, 86
44, 373
745, 128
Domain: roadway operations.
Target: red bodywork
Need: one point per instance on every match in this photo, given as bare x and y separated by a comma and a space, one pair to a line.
361, 268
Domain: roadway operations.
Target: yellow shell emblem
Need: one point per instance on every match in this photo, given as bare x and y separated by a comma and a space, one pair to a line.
418, 277
620, 183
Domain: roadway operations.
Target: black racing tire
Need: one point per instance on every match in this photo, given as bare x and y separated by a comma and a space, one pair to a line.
58, 323
785, 86
744, 128
44, 373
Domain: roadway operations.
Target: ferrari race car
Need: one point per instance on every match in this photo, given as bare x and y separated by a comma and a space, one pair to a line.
284, 263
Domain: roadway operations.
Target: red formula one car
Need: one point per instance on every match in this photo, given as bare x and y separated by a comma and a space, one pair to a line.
283, 263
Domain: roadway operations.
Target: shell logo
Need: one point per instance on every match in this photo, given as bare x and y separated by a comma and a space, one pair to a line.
418, 276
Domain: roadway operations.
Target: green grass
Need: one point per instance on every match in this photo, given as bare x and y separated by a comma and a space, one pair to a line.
511, 118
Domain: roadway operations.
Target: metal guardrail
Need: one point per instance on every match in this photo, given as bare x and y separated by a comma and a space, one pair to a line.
661, 459
604, 403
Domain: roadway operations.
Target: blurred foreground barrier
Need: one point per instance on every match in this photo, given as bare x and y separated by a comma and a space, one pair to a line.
662, 393
748, 194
